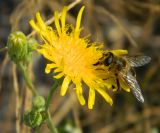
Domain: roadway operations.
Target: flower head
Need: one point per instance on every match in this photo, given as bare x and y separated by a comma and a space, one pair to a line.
72, 57
17, 46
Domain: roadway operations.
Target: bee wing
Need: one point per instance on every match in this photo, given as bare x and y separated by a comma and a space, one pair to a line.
132, 83
138, 60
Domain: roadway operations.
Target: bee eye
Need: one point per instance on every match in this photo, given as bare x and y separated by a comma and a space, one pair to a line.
109, 59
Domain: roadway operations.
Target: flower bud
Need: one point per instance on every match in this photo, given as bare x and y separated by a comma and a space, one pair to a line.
38, 102
33, 118
32, 44
17, 46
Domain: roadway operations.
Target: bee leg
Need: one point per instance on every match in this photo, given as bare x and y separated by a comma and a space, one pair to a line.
118, 84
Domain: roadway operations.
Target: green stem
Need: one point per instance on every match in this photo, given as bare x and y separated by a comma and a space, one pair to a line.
48, 101
27, 79
49, 98
50, 124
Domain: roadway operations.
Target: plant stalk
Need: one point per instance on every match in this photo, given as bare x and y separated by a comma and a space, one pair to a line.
27, 79
50, 95
50, 124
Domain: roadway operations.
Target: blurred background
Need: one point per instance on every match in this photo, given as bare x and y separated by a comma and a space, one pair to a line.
120, 24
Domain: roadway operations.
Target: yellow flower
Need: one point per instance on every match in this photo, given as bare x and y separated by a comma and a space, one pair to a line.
72, 57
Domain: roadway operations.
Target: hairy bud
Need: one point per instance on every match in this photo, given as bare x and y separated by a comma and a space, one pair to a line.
38, 102
33, 118
17, 46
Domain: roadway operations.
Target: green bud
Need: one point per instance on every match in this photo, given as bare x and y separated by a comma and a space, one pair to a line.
33, 118
32, 44
38, 102
17, 46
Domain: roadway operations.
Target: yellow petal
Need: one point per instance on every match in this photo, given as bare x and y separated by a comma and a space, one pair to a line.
63, 18
65, 85
124, 86
110, 82
52, 35
58, 76
119, 52
79, 92
34, 26
105, 95
40, 22
79, 17
46, 54
91, 98
56, 17
57, 70
49, 67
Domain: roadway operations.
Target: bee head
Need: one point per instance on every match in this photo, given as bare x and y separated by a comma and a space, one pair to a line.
108, 59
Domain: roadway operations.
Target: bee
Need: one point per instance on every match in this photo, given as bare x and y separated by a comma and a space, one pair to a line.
123, 69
